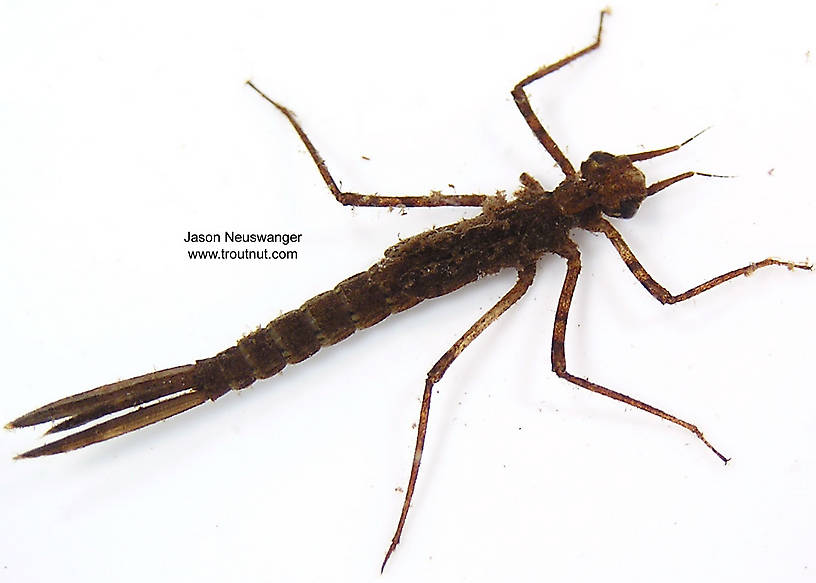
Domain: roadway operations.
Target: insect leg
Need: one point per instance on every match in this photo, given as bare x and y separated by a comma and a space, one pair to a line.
559, 362
355, 199
525, 278
660, 293
520, 97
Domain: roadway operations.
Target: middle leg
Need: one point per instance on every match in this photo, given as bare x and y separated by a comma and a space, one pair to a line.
523, 103
559, 361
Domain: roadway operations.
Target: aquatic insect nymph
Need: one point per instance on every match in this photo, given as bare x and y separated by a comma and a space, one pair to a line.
508, 234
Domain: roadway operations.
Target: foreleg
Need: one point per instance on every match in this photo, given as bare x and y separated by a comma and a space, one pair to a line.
663, 295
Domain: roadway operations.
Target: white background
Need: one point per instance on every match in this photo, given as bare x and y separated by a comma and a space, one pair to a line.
121, 131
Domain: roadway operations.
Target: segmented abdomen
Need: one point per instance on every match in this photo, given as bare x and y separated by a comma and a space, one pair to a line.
354, 304
432, 264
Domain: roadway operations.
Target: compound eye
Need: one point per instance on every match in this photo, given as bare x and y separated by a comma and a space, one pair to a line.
601, 157
628, 208
596, 165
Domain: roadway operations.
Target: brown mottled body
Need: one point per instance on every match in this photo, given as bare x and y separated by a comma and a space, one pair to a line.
512, 234
434, 263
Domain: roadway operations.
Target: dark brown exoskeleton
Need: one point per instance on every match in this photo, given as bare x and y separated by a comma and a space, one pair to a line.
510, 234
